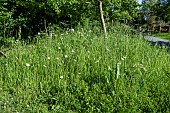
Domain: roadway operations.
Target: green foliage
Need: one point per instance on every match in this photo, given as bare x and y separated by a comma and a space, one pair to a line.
6, 22
157, 8
123, 10
80, 71
26, 18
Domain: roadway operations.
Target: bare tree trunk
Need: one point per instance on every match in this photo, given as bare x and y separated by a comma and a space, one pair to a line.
2, 54
19, 33
102, 18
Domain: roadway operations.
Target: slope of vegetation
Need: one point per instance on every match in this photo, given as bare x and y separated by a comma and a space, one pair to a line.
81, 71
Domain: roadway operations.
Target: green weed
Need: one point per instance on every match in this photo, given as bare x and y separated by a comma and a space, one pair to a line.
81, 71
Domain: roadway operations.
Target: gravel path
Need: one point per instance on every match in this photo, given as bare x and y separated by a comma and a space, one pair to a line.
155, 39
158, 41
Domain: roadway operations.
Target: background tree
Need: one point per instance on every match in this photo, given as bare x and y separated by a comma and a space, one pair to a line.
25, 18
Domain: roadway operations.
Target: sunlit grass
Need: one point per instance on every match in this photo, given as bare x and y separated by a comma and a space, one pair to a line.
81, 71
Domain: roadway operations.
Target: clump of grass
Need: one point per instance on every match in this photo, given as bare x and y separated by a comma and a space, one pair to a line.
79, 71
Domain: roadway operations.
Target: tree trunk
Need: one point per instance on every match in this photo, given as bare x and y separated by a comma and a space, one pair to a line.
2, 54
102, 18
19, 33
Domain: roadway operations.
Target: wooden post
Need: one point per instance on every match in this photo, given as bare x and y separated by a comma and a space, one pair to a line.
102, 18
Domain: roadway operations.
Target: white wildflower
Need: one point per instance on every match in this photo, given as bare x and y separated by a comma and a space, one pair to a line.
118, 63
48, 58
27, 64
59, 48
88, 51
109, 68
66, 56
72, 30
61, 77
118, 70
122, 58
72, 51
79, 32
44, 65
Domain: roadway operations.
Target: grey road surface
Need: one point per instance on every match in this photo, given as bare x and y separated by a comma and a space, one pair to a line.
158, 41
155, 39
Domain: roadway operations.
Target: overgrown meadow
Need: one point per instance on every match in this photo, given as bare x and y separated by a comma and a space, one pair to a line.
82, 71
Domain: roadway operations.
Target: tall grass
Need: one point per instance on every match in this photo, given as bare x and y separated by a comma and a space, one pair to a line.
81, 71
